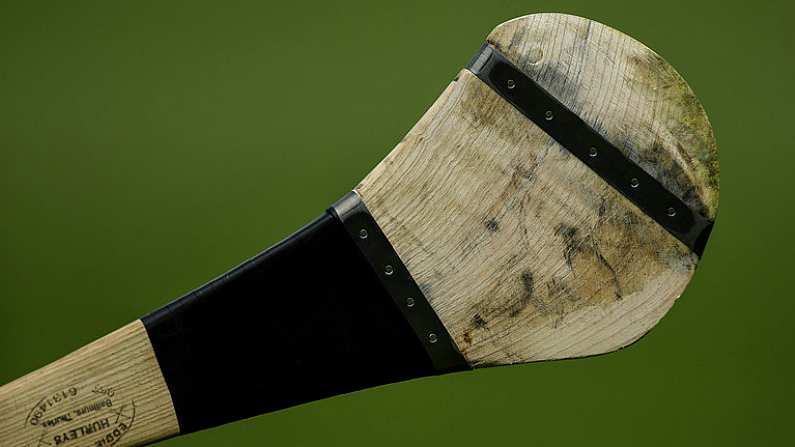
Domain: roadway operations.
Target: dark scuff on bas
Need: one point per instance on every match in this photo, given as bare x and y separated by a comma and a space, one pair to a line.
693, 139
528, 286
492, 225
571, 241
576, 246
478, 323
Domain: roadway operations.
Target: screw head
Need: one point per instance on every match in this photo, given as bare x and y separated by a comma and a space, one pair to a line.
634, 182
549, 115
389, 270
510, 83
433, 338
592, 152
671, 211
409, 302
362, 234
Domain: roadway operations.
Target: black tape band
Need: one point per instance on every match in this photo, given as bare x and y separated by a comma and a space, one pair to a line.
304, 320
399, 284
591, 148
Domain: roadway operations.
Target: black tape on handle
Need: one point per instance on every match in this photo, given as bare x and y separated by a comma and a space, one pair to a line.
304, 320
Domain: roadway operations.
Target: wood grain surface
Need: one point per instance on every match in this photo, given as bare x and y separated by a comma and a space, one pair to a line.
522, 250
110, 392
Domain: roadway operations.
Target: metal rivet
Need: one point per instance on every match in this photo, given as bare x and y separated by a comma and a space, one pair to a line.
671, 211
410, 302
511, 84
549, 115
592, 152
634, 182
432, 338
362, 234
389, 270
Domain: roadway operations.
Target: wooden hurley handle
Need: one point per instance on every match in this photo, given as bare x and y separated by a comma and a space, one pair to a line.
110, 392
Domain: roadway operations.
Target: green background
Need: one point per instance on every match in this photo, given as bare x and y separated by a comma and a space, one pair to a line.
147, 146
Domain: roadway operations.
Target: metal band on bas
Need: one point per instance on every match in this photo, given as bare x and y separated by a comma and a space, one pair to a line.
607, 161
399, 284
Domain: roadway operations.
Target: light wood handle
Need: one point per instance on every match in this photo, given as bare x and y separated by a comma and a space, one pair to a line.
108, 393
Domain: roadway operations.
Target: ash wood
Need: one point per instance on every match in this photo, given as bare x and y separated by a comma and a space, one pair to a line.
523, 251
110, 392
624, 90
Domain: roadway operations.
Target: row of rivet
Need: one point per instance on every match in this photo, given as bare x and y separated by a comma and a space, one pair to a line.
389, 270
592, 152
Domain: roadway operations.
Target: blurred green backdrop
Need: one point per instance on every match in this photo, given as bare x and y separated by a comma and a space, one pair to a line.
147, 146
